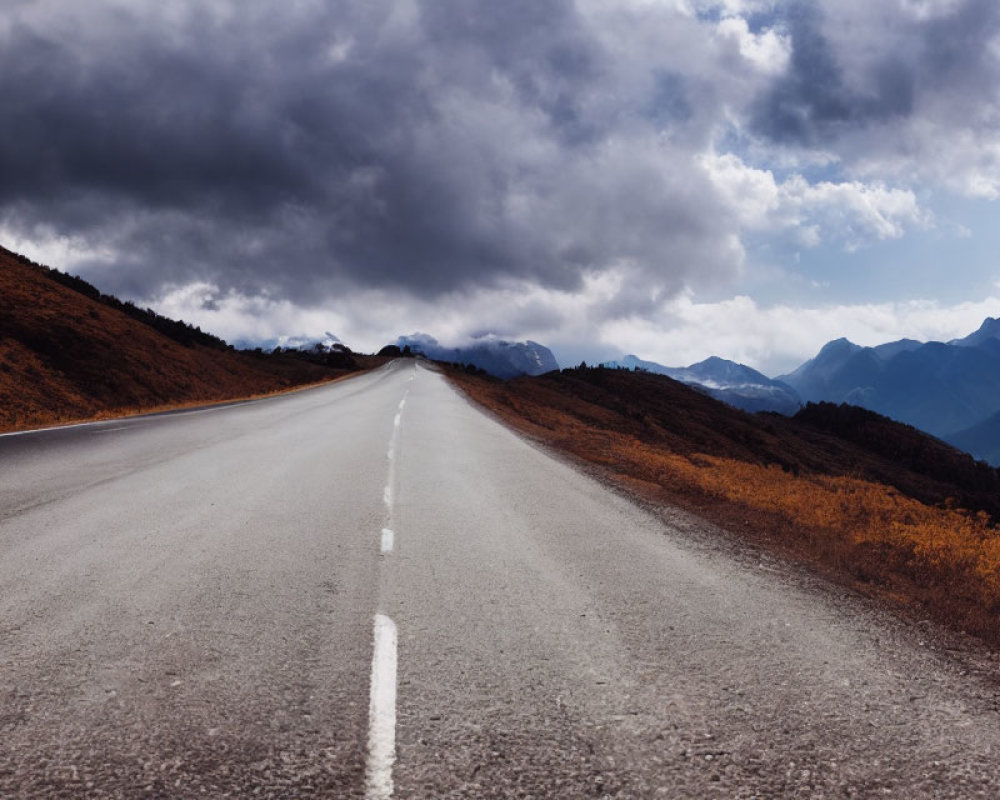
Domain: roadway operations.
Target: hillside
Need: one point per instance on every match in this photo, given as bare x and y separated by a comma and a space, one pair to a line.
67, 353
865, 500
982, 440
735, 384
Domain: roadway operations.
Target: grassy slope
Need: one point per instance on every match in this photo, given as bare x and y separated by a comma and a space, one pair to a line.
66, 356
872, 503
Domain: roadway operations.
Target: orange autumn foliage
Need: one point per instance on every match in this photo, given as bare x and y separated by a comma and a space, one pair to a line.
860, 511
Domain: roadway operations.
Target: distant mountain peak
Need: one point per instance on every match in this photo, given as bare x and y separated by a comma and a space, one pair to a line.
417, 339
735, 384
829, 360
301, 342
936, 386
841, 345
499, 357
892, 349
990, 329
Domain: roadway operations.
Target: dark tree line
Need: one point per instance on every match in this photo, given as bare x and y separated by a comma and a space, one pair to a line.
179, 331
908, 447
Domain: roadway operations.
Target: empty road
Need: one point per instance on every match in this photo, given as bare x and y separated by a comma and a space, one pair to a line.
371, 589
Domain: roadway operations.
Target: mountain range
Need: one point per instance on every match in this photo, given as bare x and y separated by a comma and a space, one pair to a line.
496, 356
499, 357
302, 343
732, 383
949, 389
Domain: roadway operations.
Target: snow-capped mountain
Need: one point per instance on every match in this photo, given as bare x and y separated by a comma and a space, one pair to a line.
300, 342
495, 355
732, 383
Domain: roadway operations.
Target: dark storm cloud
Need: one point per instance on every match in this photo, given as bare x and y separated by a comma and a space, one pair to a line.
544, 50
957, 51
861, 66
428, 147
812, 103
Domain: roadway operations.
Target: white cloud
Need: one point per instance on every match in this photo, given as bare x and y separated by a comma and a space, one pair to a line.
776, 339
901, 91
969, 164
769, 51
44, 245
752, 194
518, 309
855, 211
851, 213
235, 316
681, 331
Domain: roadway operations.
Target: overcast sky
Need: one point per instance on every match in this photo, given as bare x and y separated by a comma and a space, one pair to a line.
671, 178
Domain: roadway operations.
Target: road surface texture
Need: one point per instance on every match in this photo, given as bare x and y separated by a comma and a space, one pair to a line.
372, 589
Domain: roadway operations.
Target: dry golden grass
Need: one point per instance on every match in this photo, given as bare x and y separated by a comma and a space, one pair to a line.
932, 559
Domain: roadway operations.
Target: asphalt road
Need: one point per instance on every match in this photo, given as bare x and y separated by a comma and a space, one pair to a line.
373, 589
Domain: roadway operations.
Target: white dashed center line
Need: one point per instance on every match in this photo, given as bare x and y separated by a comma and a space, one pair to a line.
391, 453
382, 706
382, 712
